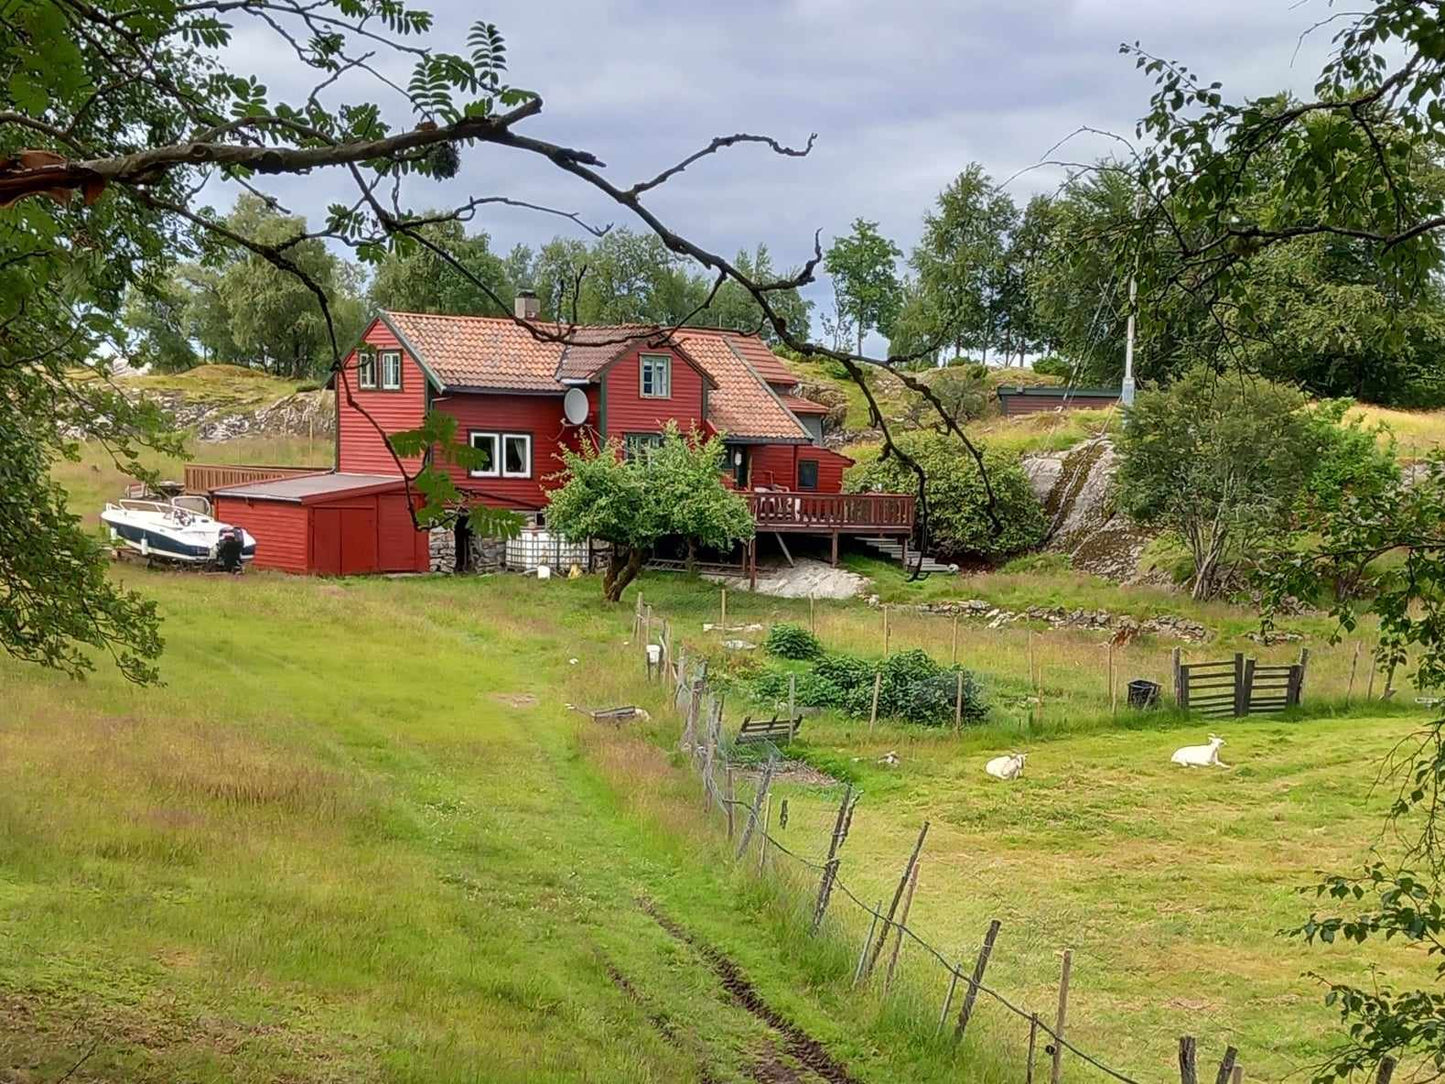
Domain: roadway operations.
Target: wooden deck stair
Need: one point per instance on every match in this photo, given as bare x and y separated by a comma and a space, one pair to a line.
892, 549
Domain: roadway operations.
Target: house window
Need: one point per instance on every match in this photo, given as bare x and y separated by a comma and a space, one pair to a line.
486, 444
516, 455
807, 474
391, 370
656, 376
637, 445
503, 455
366, 370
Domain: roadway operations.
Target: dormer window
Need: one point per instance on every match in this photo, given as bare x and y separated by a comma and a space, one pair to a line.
656, 378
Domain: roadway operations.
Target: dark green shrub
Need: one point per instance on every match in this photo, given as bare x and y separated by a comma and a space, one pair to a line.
792, 642
959, 524
913, 687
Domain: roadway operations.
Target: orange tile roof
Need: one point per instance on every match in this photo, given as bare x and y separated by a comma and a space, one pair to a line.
803, 406
496, 352
742, 405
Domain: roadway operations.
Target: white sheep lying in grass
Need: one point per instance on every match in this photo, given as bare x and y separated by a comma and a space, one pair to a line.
1010, 766
1200, 756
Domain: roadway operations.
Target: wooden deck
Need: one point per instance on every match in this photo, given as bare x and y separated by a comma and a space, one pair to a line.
830, 513
205, 477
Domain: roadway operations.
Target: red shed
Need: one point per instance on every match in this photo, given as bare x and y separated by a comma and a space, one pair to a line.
327, 524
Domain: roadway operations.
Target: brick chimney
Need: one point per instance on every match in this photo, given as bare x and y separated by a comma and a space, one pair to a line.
526, 305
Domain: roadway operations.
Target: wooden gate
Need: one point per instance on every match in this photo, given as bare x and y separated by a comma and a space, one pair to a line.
1238, 686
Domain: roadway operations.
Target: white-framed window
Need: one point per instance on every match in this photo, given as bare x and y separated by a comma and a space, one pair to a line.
366, 370
391, 370
656, 376
489, 466
516, 455
638, 445
504, 455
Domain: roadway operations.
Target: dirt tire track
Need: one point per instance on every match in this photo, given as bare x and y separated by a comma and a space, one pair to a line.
797, 1043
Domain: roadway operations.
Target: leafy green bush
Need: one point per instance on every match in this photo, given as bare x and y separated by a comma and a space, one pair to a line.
959, 525
1053, 365
913, 687
788, 641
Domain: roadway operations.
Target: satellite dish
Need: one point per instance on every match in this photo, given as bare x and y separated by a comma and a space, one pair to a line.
574, 406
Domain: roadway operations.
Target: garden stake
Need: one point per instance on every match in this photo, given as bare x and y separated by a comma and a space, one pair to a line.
898, 895
902, 924
1226, 1065
1187, 1071
971, 995
867, 941
1033, 1043
873, 712
1058, 1067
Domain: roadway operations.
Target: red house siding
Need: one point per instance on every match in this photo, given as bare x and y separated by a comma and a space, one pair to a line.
361, 449
831, 466
628, 412
281, 530
539, 416
772, 465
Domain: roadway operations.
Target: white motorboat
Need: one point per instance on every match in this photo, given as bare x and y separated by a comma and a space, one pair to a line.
180, 529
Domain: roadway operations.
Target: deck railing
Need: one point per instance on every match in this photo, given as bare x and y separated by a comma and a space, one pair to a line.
205, 477
785, 510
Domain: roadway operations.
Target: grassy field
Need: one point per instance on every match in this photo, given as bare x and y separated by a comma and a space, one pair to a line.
359, 836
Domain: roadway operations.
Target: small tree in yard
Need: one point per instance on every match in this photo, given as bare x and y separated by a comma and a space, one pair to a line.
631, 503
1218, 460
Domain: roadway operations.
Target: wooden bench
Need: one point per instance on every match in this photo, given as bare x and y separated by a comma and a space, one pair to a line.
775, 730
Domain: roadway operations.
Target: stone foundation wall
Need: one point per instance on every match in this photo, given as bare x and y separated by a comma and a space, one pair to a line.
487, 554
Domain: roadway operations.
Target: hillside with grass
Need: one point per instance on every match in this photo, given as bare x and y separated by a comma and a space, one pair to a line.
224, 402
361, 834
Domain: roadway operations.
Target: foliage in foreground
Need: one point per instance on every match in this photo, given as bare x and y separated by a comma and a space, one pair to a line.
913, 687
789, 641
958, 521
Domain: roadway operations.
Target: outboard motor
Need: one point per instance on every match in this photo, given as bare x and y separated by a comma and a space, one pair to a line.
228, 550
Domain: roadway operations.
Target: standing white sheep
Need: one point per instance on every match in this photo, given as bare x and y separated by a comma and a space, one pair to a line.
1200, 756
1007, 767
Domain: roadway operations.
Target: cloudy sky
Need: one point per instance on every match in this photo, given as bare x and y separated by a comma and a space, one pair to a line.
902, 96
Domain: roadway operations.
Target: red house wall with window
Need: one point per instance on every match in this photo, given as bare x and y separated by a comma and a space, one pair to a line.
360, 448
628, 411
537, 416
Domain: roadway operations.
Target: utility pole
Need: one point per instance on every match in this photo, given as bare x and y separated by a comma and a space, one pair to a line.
1127, 391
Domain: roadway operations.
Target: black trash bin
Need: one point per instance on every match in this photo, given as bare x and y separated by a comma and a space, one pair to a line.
1143, 694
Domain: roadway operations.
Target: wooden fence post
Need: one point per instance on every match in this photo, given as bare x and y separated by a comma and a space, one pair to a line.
812, 614
898, 895
1033, 678
902, 924
1188, 1073
953, 651
723, 620
1241, 696
792, 700
1113, 691
1058, 1067
1181, 688
1386, 1070
1354, 664
885, 630
970, 996
830, 866
763, 785
873, 713
1304, 663
729, 803
958, 703
1247, 695
1226, 1065
1033, 1044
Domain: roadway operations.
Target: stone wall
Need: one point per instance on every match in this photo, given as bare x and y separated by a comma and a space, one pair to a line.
487, 554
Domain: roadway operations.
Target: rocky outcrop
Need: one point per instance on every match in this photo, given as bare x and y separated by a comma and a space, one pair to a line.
307, 413
1060, 617
1076, 488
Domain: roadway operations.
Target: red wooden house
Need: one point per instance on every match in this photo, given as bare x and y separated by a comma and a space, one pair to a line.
506, 388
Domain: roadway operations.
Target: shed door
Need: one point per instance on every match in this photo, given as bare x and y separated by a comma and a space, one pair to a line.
397, 536
343, 541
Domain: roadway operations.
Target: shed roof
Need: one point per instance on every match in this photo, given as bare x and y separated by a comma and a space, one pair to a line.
310, 488
1049, 391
